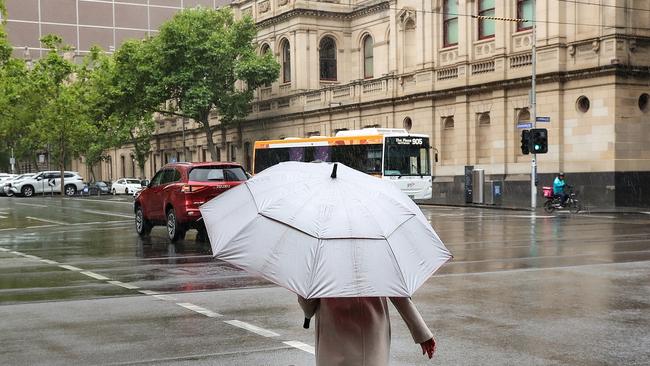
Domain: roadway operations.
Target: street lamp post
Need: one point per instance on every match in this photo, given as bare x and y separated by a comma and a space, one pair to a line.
533, 107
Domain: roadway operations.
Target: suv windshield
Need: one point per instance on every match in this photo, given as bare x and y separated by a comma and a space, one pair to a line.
216, 174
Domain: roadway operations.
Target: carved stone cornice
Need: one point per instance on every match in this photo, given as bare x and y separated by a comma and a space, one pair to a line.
313, 13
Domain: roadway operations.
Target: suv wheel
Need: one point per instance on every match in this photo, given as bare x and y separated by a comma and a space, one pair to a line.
70, 190
142, 226
175, 231
27, 191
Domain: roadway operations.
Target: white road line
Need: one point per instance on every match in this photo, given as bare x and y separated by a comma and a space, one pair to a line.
301, 346
27, 227
148, 292
165, 297
103, 201
108, 213
70, 268
4, 249
95, 275
16, 253
31, 204
198, 309
32, 257
46, 220
3, 217
252, 328
49, 261
125, 285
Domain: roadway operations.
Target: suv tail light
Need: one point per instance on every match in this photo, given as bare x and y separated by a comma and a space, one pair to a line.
190, 188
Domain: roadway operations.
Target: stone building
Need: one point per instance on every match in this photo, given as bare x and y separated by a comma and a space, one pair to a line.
431, 67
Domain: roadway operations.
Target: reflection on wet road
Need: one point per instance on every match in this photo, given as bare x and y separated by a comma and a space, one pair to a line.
522, 289
98, 235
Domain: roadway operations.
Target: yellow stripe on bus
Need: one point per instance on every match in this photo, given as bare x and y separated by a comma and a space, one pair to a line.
332, 141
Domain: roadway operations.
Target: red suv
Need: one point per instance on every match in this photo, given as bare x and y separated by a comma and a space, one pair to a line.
174, 195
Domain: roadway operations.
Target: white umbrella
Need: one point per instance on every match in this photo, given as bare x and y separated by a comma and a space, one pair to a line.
325, 230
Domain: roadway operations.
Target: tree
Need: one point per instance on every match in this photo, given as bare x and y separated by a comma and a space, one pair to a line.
62, 119
195, 63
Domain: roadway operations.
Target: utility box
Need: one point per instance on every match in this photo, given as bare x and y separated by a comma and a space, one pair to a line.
493, 192
478, 180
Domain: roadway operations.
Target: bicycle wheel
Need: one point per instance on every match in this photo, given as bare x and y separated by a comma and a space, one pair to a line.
574, 206
548, 206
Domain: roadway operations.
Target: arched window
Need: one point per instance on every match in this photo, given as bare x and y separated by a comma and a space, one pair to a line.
265, 49
368, 57
327, 55
286, 62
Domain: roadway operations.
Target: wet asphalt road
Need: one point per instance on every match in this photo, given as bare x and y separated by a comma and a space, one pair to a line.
77, 286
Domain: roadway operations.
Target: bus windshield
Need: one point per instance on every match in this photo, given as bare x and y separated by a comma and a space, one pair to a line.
407, 155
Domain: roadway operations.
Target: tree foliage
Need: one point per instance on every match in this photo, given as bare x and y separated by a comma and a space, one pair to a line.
196, 62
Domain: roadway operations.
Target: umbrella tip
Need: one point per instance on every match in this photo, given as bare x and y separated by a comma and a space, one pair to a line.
334, 171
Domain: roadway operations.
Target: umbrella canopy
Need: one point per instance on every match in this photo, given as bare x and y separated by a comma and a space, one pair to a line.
325, 230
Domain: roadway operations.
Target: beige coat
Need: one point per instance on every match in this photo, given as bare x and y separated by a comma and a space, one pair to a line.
356, 331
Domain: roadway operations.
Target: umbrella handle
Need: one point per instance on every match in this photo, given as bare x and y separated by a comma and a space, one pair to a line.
306, 323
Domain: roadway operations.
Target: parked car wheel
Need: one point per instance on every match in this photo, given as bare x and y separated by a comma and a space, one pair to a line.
175, 231
27, 191
142, 226
70, 190
113, 192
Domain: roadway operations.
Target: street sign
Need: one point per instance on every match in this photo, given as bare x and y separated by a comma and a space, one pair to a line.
50, 182
41, 158
524, 125
12, 161
543, 119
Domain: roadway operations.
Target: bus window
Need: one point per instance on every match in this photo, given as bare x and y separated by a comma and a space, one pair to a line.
407, 156
322, 153
297, 154
265, 158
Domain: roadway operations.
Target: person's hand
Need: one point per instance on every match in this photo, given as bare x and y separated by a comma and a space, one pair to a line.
428, 347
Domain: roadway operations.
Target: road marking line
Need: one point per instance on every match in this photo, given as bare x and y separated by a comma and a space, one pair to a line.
70, 268
198, 309
95, 275
301, 346
3, 217
31, 204
27, 227
108, 213
49, 261
16, 253
32, 257
251, 328
103, 201
148, 292
165, 297
46, 220
125, 285
4, 249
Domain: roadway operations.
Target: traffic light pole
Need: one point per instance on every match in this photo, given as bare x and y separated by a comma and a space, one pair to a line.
533, 107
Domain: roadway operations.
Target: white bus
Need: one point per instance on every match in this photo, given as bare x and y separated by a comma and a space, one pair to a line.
388, 153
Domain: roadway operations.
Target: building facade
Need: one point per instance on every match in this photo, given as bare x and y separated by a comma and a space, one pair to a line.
432, 67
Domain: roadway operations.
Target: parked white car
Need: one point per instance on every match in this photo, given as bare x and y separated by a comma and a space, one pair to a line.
5, 176
5, 186
126, 186
49, 181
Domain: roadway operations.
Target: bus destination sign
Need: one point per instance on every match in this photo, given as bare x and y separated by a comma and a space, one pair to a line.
408, 140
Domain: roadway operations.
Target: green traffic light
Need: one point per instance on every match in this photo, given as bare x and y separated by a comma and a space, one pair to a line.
538, 147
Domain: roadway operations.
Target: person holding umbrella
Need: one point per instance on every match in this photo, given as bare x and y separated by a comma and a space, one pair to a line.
356, 331
343, 241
